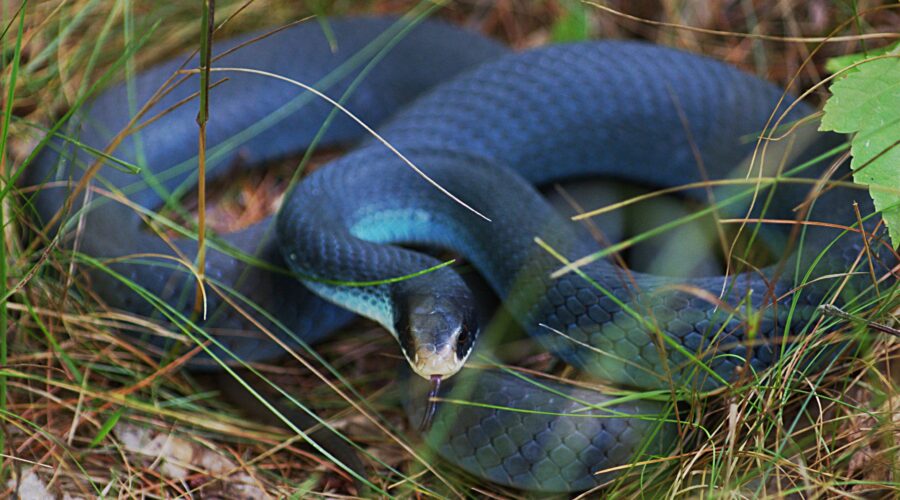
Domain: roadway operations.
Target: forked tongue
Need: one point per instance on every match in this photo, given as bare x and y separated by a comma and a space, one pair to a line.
431, 405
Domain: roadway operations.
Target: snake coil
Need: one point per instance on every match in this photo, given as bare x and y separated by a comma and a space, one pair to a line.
487, 125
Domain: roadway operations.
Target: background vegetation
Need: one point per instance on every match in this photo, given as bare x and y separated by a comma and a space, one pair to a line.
86, 412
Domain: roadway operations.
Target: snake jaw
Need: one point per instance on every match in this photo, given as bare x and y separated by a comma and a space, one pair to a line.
429, 361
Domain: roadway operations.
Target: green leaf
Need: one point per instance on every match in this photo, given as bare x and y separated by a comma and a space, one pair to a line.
836, 64
306, 488
106, 428
867, 104
572, 24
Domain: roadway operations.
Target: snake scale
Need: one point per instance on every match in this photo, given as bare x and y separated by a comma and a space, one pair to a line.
488, 125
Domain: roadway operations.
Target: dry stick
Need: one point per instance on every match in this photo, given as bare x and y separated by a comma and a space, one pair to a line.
867, 247
770, 38
832, 225
713, 182
207, 25
76, 245
833, 310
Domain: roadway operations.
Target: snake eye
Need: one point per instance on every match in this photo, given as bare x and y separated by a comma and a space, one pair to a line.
462, 341
465, 340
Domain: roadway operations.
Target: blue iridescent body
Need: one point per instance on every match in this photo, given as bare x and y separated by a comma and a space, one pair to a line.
488, 125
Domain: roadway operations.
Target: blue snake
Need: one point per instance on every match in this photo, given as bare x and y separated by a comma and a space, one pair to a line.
487, 125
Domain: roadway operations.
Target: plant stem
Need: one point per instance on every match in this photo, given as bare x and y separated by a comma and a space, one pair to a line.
207, 27
4, 137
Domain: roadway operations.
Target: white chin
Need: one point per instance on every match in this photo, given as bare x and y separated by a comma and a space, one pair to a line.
427, 367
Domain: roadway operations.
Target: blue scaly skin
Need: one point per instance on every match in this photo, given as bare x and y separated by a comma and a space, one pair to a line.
488, 126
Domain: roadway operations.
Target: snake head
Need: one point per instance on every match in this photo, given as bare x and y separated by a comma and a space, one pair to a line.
436, 331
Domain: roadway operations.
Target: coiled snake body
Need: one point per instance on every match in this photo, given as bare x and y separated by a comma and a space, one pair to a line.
489, 127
